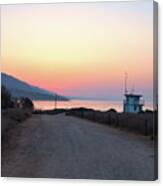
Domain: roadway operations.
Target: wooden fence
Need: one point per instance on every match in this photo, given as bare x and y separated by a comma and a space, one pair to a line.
143, 123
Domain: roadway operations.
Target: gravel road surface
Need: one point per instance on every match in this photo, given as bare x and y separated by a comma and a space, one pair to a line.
59, 146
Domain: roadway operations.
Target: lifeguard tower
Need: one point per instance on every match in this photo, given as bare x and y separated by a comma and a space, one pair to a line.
133, 103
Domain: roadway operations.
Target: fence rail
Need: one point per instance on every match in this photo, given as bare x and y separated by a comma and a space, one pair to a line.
143, 123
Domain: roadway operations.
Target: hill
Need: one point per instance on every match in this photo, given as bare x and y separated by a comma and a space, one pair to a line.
19, 88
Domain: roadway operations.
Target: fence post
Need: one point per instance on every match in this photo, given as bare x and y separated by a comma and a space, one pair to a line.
117, 120
146, 128
82, 114
93, 115
109, 118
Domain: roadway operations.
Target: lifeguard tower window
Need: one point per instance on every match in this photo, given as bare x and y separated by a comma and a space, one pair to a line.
135, 107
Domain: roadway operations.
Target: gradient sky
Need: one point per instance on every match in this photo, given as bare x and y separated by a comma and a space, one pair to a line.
80, 49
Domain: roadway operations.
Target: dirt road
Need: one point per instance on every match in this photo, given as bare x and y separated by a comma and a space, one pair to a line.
62, 146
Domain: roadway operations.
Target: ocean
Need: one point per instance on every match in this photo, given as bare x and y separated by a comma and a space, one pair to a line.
93, 104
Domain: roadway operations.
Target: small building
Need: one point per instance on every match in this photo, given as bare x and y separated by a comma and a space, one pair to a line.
133, 103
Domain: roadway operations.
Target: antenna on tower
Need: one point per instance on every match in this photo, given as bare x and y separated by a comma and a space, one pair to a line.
125, 88
133, 89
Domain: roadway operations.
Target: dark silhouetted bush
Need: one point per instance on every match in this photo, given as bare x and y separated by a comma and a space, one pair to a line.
27, 103
112, 110
6, 100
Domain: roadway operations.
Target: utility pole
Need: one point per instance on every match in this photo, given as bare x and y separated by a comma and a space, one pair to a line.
55, 101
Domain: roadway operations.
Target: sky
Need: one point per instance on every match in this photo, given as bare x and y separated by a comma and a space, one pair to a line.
80, 49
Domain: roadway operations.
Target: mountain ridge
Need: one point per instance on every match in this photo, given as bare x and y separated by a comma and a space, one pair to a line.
19, 88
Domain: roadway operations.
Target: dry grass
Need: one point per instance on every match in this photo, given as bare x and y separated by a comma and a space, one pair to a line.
12, 117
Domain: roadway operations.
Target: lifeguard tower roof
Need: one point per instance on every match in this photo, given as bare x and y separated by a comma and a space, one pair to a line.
133, 95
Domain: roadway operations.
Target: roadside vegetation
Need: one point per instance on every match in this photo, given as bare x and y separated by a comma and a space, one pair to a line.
6, 100
14, 110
